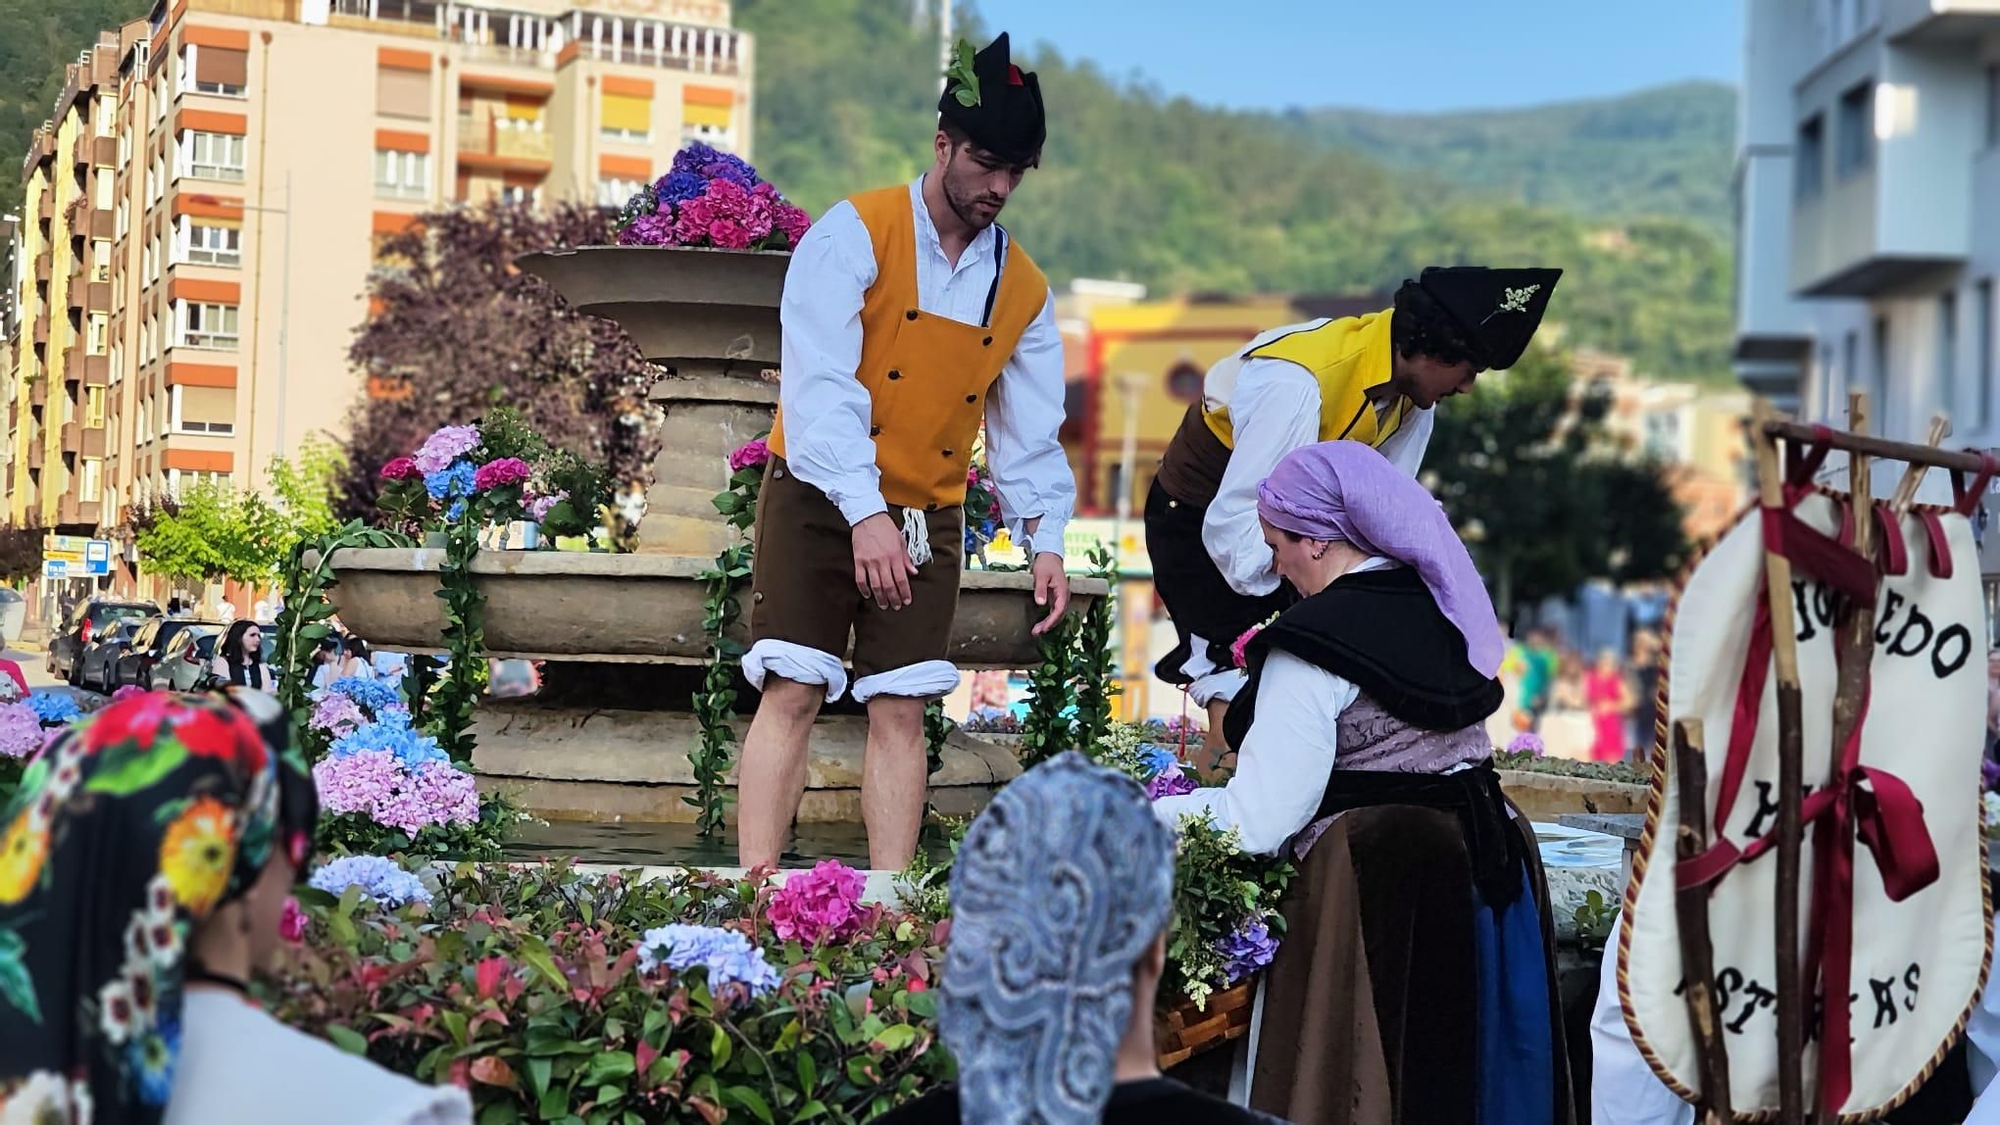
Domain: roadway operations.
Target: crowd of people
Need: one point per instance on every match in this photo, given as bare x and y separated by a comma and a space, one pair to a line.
1602, 711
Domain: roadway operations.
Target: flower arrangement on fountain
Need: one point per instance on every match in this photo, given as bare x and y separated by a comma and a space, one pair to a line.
550, 992
982, 510
713, 200
497, 472
385, 786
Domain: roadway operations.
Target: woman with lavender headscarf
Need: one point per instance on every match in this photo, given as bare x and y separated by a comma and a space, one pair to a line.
1416, 978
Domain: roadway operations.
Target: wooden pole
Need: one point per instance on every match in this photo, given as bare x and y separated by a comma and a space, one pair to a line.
1691, 914
1766, 423
1785, 663
1906, 489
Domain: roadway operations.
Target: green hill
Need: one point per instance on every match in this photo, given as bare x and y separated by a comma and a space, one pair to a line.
1181, 197
36, 38
1664, 151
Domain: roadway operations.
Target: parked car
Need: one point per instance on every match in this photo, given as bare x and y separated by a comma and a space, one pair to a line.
100, 656
86, 620
184, 666
136, 666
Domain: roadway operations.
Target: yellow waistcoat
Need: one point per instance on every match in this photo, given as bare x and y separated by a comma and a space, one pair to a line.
927, 376
1347, 357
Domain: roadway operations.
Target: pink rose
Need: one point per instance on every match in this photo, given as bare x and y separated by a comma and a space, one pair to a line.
401, 468
292, 923
750, 454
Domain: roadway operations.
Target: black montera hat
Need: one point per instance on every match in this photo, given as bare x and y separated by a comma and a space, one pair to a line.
1498, 309
998, 104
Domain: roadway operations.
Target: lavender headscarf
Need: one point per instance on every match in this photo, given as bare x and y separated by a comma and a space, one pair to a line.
1346, 491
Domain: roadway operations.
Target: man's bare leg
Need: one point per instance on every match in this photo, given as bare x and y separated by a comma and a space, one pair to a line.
774, 769
894, 775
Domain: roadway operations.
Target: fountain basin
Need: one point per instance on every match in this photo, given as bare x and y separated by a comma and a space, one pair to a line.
645, 608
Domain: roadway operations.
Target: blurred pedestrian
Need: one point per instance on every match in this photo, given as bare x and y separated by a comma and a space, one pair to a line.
1609, 698
1646, 654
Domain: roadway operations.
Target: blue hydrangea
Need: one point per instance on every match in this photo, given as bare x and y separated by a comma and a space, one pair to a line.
711, 163
676, 188
380, 879
452, 481
374, 695
456, 512
391, 731
727, 955
1157, 759
54, 708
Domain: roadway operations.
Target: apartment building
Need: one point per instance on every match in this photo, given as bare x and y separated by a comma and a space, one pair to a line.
1868, 224
224, 169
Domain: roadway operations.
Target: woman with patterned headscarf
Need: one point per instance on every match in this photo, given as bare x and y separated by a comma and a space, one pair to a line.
1416, 981
144, 865
1060, 900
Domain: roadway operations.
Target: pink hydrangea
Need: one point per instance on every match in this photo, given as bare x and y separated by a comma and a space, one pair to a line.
750, 454
538, 508
20, 730
401, 468
819, 905
337, 714
449, 794
500, 473
790, 220
448, 444
357, 782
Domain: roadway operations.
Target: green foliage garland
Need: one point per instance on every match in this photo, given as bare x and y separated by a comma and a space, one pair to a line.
1094, 660
1046, 730
448, 716
715, 703
302, 623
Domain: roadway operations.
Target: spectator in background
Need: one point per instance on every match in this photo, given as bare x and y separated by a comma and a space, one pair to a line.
1609, 698
1538, 674
1646, 653
176, 608
239, 659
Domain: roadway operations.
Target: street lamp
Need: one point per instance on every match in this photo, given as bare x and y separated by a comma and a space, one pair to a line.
284, 295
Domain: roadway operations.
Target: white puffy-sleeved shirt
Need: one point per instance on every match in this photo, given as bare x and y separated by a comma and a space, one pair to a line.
1273, 409
1286, 758
827, 410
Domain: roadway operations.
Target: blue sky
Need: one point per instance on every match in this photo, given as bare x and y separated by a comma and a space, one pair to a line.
1415, 55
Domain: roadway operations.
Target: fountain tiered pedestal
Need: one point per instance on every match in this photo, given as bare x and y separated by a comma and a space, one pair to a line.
608, 736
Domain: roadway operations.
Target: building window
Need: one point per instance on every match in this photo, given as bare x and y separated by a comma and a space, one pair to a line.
90, 480
626, 117
1184, 381
93, 406
177, 481
204, 325
144, 421
1947, 345
1993, 105
150, 260
402, 175
616, 193
214, 70
1855, 140
156, 180
97, 332
520, 194
1982, 365
202, 410
208, 244
1878, 375
1809, 162
117, 363
403, 93
212, 156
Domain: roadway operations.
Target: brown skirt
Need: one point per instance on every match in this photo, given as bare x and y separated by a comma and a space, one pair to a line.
1371, 1008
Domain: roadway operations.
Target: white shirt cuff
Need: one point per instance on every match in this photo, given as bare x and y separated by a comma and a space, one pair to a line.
854, 509
1048, 535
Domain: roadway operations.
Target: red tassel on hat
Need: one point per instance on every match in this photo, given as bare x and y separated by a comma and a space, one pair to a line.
1013, 75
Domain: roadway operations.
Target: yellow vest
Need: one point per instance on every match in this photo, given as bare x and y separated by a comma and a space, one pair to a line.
927, 376
1347, 357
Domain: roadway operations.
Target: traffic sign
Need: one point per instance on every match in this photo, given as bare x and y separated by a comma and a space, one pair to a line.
55, 568
97, 556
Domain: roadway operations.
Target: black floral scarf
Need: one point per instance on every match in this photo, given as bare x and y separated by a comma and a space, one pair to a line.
129, 829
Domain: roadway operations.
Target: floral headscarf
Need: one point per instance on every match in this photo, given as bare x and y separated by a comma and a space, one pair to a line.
131, 828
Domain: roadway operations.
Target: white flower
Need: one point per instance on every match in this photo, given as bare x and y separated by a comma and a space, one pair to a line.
159, 900
116, 1010
632, 505
1991, 807
43, 1097
1517, 299
80, 1106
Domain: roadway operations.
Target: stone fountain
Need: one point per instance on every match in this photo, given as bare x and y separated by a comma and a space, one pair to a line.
608, 737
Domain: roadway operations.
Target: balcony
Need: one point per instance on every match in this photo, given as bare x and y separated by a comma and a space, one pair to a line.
36, 455
486, 145
85, 441
104, 151
41, 329
90, 370
73, 512
45, 264
47, 210
1939, 21
103, 223
38, 391
1870, 233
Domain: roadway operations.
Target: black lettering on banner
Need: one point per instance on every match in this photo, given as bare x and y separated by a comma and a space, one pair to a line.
1760, 997
1910, 977
1953, 633
1823, 604
1727, 982
1885, 628
1767, 807
1806, 631
1902, 646
1885, 1000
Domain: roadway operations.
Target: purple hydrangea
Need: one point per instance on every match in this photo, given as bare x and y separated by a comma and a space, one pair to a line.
448, 444
1247, 949
678, 187
1169, 782
727, 955
1989, 774
337, 715
1527, 742
652, 229
710, 163
20, 730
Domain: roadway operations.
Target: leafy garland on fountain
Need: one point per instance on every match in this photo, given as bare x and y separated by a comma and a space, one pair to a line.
1076, 676
715, 703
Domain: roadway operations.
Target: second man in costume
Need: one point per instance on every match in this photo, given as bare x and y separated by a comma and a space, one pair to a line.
909, 316
1373, 378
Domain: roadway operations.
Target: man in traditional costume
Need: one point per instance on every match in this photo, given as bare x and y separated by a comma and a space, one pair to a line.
1373, 378
1416, 981
1061, 900
909, 316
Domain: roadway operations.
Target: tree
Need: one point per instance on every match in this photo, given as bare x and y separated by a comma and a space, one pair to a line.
457, 329
1531, 478
210, 533
20, 552
306, 488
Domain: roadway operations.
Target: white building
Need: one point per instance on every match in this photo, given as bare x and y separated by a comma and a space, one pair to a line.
1868, 216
